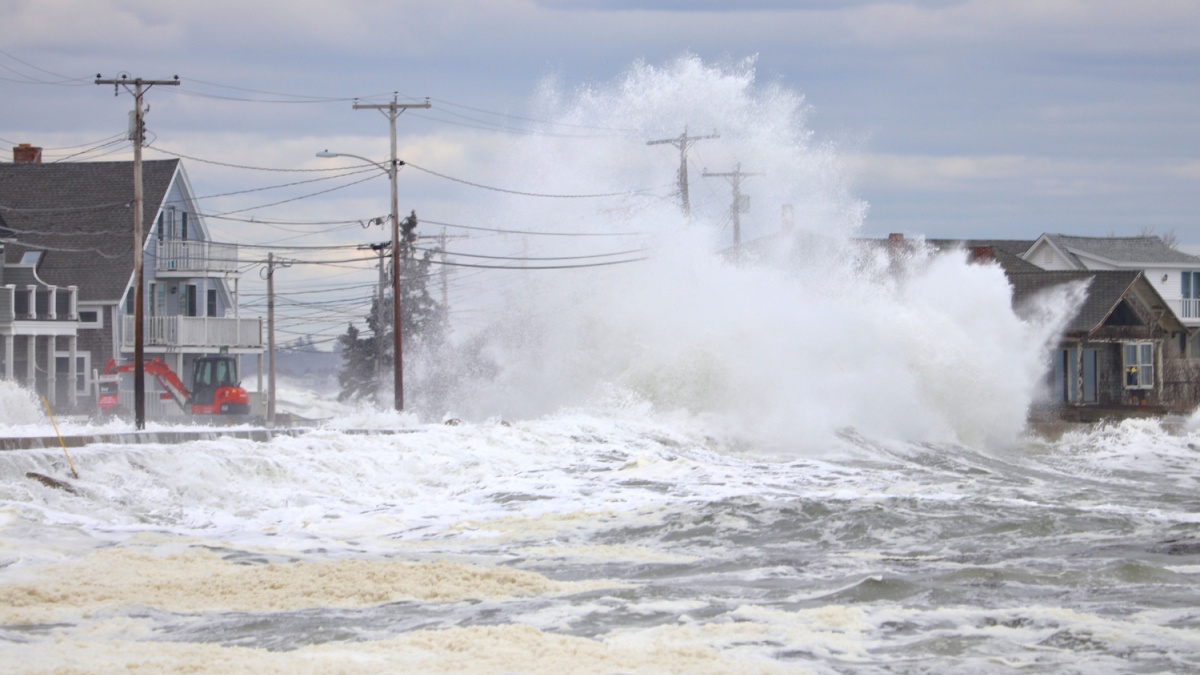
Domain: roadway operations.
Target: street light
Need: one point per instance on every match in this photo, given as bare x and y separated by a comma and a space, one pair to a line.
391, 169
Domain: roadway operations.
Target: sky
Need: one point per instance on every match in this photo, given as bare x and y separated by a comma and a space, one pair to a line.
949, 118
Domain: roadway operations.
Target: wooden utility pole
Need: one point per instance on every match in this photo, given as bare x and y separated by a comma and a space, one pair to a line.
270, 273
137, 134
735, 179
683, 143
392, 111
271, 338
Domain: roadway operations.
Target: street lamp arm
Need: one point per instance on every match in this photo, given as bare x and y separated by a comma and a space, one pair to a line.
381, 165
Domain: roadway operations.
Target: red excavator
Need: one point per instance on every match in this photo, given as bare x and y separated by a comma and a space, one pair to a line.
215, 390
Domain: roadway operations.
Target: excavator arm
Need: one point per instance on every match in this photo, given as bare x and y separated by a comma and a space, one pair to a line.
162, 373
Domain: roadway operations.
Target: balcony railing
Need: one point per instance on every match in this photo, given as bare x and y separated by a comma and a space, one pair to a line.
1190, 309
38, 303
7, 305
195, 331
185, 255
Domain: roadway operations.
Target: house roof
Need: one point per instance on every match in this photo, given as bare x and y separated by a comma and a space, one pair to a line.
1130, 250
79, 215
1006, 252
1106, 290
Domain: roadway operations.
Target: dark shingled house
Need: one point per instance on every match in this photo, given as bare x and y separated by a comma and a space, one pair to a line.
67, 233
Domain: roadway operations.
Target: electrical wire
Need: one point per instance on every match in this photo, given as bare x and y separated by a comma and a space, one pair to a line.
536, 121
536, 267
528, 194
283, 185
295, 199
500, 257
253, 168
64, 80
531, 232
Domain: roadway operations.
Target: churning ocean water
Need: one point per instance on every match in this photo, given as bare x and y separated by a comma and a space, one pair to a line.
617, 543
807, 457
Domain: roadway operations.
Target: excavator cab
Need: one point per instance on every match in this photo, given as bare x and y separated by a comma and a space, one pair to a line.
216, 389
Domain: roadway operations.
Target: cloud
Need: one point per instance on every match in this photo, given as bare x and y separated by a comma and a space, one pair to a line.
728, 6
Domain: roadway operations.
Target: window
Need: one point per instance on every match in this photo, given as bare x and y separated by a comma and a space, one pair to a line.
212, 302
1139, 365
91, 318
183, 225
83, 373
191, 300
1190, 292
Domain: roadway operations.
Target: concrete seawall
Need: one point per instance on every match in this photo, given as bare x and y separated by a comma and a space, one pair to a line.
171, 437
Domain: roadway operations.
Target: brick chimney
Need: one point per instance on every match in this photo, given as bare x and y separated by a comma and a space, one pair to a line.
27, 154
982, 254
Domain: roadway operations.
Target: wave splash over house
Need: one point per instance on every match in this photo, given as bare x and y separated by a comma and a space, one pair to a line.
773, 318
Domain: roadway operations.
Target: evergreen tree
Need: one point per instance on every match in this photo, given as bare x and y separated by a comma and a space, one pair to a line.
359, 374
422, 323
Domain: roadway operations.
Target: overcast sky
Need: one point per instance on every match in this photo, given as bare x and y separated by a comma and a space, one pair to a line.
973, 118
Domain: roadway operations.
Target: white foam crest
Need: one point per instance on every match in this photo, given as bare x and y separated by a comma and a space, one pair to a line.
18, 407
1149, 450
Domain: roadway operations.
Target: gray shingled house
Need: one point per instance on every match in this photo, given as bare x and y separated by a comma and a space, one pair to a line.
1119, 347
68, 245
1173, 273
1123, 347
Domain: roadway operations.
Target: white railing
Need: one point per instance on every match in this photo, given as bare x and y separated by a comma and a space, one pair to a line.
193, 331
38, 303
185, 255
8, 303
1189, 309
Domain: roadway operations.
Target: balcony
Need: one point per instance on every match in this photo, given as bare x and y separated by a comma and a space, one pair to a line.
194, 258
195, 333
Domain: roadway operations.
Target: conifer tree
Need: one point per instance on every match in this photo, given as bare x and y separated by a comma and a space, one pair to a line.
422, 322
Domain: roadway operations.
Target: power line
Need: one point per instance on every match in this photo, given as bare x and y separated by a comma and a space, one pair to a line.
536, 267
531, 232
252, 168
284, 185
295, 199
499, 257
528, 194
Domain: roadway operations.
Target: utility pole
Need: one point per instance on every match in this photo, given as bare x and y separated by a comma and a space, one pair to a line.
271, 334
392, 111
735, 179
137, 134
683, 143
271, 338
